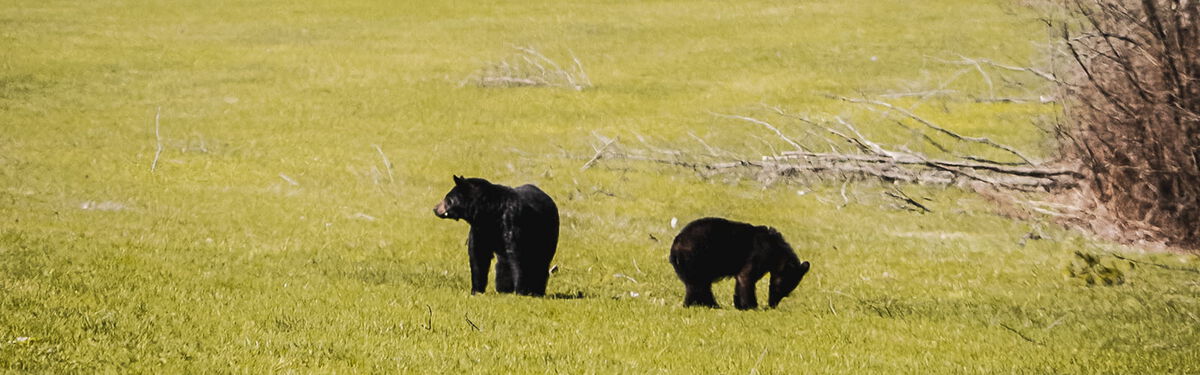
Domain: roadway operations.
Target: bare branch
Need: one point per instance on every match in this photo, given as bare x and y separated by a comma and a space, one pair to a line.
978, 62
899, 194
528, 67
981, 140
765, 125
599, 154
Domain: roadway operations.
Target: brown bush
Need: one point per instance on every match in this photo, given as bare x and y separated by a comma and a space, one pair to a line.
1135, 108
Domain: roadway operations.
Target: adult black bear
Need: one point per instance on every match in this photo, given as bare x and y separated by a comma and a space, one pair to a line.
519, 225
710, 249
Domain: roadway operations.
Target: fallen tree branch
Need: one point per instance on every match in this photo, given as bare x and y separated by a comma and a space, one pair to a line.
1040, 74
599, 154
903, 158
899, 194
874, 160
927, 123
765, 125
867, 158
841, 167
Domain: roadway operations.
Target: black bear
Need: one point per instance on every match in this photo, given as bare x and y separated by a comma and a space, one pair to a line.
519, 225
710, 249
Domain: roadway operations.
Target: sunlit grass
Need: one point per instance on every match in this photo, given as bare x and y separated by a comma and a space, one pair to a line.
272, 237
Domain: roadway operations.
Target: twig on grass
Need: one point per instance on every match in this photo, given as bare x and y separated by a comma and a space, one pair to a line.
599, 154
289, 180
1055, 323
386, 163
157, 141
429, 319
845, 201
587, 81
1163, 266
1022, 335
899, 194
986, 77
712, 151
468, 319
754, 370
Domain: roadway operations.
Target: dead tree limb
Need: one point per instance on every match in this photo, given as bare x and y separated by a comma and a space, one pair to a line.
872, 160
765, 125
901, 158
931, 125
899, 194
978, 61
599, 154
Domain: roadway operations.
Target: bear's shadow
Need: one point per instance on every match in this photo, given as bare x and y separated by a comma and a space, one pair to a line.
569, 295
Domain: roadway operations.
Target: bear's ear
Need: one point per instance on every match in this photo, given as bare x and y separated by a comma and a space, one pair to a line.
458, 180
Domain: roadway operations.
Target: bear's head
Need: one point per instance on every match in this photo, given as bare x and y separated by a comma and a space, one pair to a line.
788, 270
785, 279
460, 202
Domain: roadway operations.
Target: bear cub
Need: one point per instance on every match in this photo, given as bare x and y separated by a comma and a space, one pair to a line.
710, 249
519, 226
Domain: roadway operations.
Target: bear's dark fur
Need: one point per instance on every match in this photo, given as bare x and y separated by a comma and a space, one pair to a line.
519, 225
710, 249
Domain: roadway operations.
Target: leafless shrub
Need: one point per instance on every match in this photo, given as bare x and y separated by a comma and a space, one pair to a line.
1134, 90
528, 67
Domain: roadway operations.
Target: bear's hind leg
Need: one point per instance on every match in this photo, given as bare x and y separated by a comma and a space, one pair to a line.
536, 279
504, 275
531, 277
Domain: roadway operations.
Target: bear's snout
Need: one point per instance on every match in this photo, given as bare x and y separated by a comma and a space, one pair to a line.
440, 209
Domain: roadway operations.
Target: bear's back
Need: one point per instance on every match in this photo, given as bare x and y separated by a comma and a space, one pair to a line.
533, 198
713, 247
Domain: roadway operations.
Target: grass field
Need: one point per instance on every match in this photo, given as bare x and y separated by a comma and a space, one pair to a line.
271, 237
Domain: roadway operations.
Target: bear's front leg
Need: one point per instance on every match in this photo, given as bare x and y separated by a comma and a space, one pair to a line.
700, 295
481, 260
744, 297
504, 274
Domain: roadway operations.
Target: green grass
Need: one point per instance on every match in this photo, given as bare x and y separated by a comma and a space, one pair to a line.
215, 263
